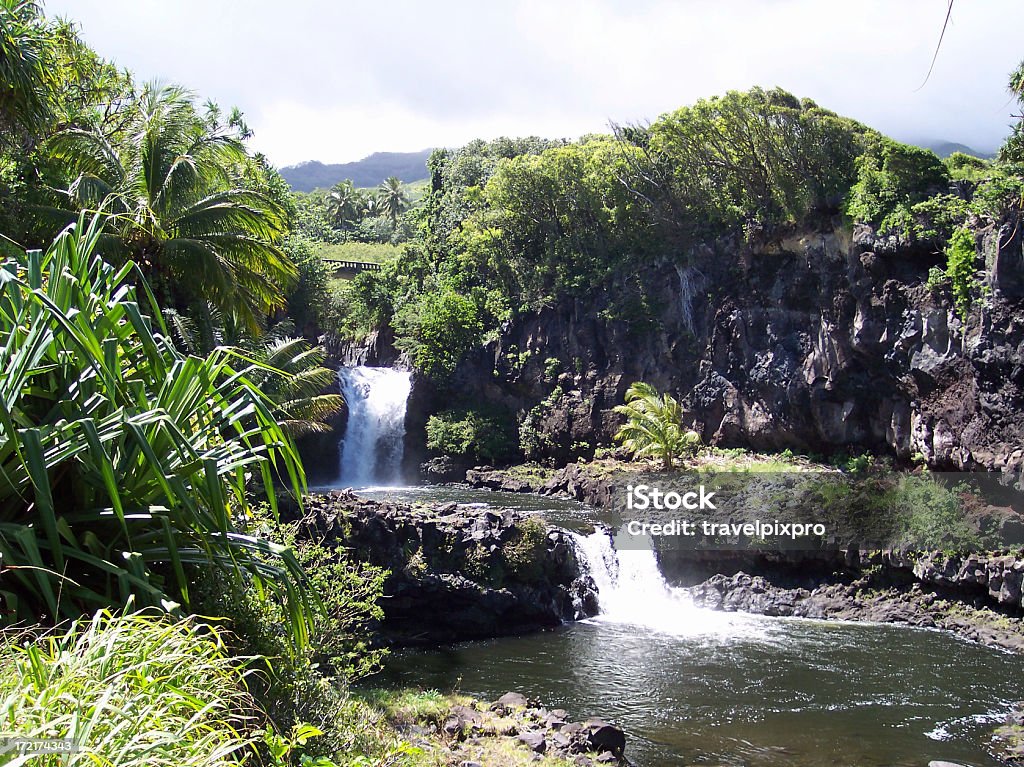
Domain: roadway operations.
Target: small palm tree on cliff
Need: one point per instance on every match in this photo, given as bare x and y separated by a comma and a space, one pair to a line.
654, 426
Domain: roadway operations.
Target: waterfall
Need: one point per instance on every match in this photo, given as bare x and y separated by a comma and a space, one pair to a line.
371, 450
631, 590
691, 282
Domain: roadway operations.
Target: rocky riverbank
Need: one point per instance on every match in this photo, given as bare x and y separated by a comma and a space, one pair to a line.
864, 600
513, 731
544, 732
456, 572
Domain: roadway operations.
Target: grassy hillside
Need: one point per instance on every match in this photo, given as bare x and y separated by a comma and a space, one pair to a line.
375, 252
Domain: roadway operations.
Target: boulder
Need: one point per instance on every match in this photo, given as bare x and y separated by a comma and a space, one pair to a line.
535, 740
602, 737
512, 700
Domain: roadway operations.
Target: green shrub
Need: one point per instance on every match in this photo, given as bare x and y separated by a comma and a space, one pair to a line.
439, 329
1003, 191
552, 367
310, 687
470, 434
936, 218
654, 426
309, 302
134, 690
936, 279
960, 256
966, 167
524, 554
929, 516
890, 178
532, 441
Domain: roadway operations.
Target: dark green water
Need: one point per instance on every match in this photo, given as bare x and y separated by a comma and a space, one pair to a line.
691, 686
768, 692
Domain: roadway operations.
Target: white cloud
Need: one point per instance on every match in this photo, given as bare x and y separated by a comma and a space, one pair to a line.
335, 80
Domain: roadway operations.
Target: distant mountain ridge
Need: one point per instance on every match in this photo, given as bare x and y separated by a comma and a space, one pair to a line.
370, 171
945, 148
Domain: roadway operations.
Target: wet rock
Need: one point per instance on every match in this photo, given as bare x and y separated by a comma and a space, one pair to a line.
822, 342
556, 719
602, 736
560, 741
443, 469
912, 603
466, 715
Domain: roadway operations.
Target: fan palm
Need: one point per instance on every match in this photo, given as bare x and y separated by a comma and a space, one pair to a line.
176, 206
122, 460
391, 198
654, 426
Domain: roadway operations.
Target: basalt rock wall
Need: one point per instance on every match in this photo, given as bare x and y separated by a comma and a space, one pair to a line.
823, 342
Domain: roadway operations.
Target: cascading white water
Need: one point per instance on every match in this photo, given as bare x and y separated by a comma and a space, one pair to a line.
371, 450
631, 590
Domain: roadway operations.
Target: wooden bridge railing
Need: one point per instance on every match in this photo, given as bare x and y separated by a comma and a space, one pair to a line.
352, 266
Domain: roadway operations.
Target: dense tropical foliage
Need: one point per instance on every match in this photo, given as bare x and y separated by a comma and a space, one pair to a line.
132, 690
122, 459
178, 204
154, 385
514, 226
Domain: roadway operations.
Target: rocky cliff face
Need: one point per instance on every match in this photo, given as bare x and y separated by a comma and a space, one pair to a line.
456, 572
823, 342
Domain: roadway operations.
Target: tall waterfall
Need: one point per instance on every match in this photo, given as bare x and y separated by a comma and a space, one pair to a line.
371, 450
631, 590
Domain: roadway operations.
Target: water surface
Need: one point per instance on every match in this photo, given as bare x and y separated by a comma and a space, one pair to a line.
692, 686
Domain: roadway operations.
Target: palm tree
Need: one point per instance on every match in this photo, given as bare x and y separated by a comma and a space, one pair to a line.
391, 198
1012, 150
344, 204
172, 189
654, 426
24, 42
296, 382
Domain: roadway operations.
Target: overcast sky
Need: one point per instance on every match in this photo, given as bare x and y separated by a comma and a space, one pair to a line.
334, 80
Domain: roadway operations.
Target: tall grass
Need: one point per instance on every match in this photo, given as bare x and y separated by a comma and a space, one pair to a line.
123, 460
132, 690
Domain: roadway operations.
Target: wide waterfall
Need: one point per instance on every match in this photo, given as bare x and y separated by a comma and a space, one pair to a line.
632, 590
371, 450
